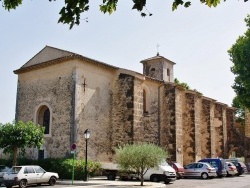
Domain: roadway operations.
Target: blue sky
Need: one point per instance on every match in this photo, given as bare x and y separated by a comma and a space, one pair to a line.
196, 39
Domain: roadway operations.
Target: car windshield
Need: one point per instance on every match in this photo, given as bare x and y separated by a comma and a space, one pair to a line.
164, 163
14, 170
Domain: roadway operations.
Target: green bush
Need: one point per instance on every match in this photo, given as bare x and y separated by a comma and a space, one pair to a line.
63, 166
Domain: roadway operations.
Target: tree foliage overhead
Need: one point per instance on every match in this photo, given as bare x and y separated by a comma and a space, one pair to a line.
139, 157
19, 135
71, 11
240, 111
240, 56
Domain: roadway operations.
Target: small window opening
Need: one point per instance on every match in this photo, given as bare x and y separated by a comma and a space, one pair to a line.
40, 154
145, 107
168, 72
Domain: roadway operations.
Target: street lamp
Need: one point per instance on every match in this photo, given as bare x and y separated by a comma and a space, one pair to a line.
86, 136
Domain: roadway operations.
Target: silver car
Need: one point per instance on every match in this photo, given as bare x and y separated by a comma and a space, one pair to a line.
26, 175
231, 169
199, 169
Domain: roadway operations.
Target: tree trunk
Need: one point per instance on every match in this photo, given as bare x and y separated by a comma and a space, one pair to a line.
15, 156
142, 180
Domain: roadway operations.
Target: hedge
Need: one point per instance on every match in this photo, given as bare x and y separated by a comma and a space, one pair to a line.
63, 166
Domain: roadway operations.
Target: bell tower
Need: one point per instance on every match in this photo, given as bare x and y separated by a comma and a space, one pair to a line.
159, 67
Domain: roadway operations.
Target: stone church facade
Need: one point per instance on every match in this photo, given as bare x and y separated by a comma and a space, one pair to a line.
69, 93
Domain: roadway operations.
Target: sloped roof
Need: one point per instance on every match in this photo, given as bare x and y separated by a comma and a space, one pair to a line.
157, 57
50, 56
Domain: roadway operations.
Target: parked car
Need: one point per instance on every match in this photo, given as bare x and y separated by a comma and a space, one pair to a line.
163, 172
26, 175
178, 169
3, 170
231, 169
199, 169
218, 164
241, 167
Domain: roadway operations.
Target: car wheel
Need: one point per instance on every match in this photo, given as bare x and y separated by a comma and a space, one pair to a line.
111, 176
23, 184
52, 181
155, 178
167, 181
204, 175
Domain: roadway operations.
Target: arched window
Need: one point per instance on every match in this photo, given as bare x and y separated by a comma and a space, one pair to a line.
44, 118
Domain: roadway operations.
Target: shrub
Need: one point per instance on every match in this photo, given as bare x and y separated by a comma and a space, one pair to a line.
63, 166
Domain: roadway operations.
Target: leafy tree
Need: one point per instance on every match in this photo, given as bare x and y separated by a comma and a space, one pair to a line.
19, 135
240, 111
240, 56
71, 12
139, 158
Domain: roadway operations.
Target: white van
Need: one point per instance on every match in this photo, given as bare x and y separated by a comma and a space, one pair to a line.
164, 172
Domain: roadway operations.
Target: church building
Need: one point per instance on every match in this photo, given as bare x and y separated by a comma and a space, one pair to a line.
68, 93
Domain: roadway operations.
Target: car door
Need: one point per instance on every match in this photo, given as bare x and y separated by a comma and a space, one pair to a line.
29, 174
189, 170
40, 175
198, 169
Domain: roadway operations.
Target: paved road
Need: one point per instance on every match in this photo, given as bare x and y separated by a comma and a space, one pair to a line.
228, 182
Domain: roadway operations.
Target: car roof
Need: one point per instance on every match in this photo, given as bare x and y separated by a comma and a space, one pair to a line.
229, 162
25, 165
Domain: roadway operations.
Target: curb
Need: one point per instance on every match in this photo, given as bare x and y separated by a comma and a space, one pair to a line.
107, 183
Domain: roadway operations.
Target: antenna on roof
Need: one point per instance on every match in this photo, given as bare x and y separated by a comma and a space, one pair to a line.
157, 46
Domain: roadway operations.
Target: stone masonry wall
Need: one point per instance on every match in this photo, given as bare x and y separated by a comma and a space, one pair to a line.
158, 70
138, 111
218, 124
36, 88
150, 121
205, 138
94, 100
247, 123
179, 129
236, 141
197, 106
188, 128
146, 126
122, 112
168, 121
